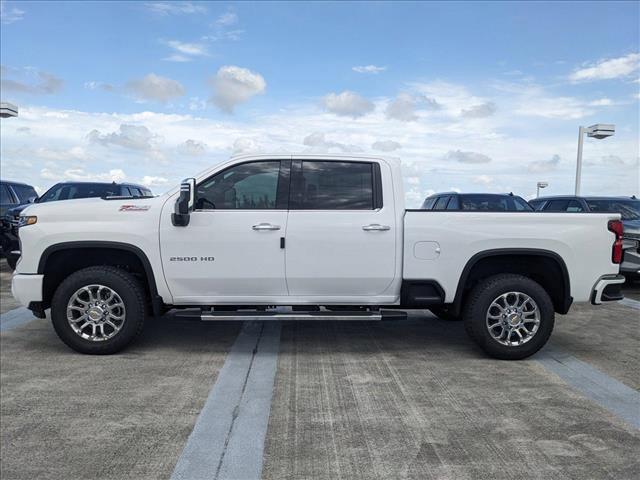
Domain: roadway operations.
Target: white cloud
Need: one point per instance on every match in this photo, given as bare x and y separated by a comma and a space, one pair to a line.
136, 137
544, 166
29, 80
606, 69
245, 145
601, 102
175, 8
10, 14
386, 145
320, 144
374, 69
479, 111
107, 87
348, 104
151, 181
404, 106
80, 175
192, 147
485, 180
235, 85
156, 88
466, 157
227, 19
184, 51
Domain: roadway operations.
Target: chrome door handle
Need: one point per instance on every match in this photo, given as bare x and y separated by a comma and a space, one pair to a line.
266, 226
376, 227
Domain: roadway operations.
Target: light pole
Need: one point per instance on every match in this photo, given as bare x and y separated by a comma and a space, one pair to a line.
541, 185
599, 131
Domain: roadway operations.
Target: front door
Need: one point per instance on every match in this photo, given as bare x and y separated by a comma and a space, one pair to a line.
231, 250
341, 233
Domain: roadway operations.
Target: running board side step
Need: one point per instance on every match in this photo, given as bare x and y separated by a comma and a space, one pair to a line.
295, 316
213, 316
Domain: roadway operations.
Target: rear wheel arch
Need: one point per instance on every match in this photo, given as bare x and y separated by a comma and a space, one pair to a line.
543, 266
60, 260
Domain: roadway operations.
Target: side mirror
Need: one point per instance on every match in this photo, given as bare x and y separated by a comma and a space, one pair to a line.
32, 199
184, 203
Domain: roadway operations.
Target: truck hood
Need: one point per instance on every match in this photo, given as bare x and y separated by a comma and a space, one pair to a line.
92, 209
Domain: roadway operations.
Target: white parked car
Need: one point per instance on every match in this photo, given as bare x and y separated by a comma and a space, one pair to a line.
327, 236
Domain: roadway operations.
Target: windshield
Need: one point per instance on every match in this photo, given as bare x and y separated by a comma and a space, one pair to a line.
629, 209
70, 191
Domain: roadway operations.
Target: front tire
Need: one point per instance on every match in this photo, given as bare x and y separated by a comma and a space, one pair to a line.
98, 310
509, 316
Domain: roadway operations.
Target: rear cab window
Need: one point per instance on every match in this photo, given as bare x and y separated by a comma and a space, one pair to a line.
333, 185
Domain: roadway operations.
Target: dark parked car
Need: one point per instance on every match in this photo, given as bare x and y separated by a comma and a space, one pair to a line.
66, 191
12, 194
627, 207
486, 202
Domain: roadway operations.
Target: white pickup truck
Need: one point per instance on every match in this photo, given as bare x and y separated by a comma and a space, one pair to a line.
308, 237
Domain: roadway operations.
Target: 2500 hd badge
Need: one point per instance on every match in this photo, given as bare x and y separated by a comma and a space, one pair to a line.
191, 259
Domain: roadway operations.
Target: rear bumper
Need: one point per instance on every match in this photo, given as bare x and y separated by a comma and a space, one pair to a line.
26, 288
607, 289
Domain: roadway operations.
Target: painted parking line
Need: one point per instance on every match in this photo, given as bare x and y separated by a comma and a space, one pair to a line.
629, 302
15, 318
227, 440
606, 391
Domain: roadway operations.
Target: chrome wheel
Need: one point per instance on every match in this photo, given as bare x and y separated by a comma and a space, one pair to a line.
513, 319
96, 313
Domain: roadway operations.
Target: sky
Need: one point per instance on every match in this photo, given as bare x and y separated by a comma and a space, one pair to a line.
471, 96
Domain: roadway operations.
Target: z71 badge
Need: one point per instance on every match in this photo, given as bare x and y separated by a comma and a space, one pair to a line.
134, 208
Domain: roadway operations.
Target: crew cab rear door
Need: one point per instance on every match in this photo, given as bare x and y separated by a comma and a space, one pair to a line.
341, 232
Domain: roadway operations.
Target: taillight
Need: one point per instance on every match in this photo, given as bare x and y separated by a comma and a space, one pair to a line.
616, 227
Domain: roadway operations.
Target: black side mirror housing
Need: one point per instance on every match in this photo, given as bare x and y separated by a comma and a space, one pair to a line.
184, 203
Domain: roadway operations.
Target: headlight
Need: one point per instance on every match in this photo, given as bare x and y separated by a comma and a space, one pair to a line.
27, 220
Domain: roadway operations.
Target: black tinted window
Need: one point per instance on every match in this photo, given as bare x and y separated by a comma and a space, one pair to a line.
24, 192
487, 203
521, 205
629, 209
454, 203
574, 206
70, 191
536, 204
428, 203
556, 206
5, 195
441, 203
319, 185
246, 186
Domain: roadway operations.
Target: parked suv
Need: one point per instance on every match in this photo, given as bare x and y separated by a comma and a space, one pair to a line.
12, 194
627, 207
487, 202
66, 191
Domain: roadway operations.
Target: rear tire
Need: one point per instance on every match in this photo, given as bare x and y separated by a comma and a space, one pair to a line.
509, 316
444, 314
98, 310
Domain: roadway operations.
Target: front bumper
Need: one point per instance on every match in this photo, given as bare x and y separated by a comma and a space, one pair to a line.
607, 289
26, 288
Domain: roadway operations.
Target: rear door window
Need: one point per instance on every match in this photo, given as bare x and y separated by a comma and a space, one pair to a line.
329, 185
